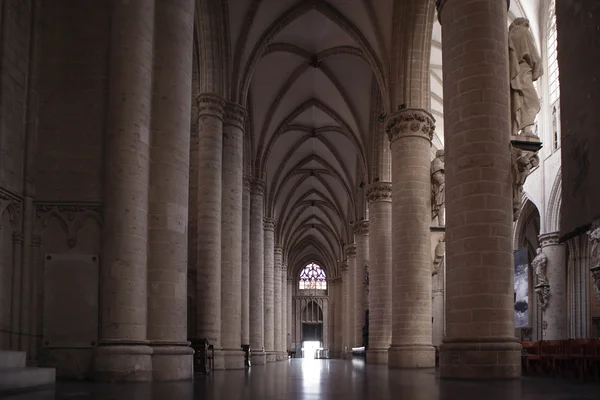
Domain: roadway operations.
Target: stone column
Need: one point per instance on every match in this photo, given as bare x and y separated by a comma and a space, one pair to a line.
410, 131
290, 292
123, 351
351, 318
231, 237
555, 313
379, 198
247, 180
344, 326
208, 269
269, 226
361, 237
169, 190
284, 311
480, 338
257, 272
277, 302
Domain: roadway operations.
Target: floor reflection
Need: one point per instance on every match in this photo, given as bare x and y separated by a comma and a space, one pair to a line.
320, 379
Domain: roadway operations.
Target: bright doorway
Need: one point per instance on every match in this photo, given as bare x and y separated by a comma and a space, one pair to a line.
309, 349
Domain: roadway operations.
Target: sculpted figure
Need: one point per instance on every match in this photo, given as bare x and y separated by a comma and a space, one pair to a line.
594, 238
525, 66
440, 251
438, 186
539, 263
522, 162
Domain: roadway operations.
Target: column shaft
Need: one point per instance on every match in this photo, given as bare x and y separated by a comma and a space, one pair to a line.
361, 237
269, 288
290, 314
246, 261
277, 303
208, 268
257, 272
284, 310
169, 190
123, 352
480, 342
555, 313
351, 320
379, 196
345, 326
231, 237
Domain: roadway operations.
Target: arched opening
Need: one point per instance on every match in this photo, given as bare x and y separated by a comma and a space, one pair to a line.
313, 277
312, 329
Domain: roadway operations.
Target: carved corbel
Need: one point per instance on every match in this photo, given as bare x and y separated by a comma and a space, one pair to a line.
523, 162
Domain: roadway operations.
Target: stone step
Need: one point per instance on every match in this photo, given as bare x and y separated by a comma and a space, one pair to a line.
21, 379
12, 359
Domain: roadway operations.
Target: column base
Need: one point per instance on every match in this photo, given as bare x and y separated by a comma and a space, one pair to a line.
121, 361
233, 359
172, 362
411, 356
376, 356
259, 357
219, 359
281, 356
271, 356
480, 360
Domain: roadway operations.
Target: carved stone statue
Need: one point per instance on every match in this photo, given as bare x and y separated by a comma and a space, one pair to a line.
438, 188
594, 238
438, 256
539, 263
522, 163
525, 66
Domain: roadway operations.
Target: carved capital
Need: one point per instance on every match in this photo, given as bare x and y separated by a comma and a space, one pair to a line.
278, 250
258, 186
361, 228
269, 224
17, 238
522, 163
71, 217
379, 191
235, 115
344, 266
350, 250
439, 5
247, 182
209, 105
36, 241
410, 122
549, 239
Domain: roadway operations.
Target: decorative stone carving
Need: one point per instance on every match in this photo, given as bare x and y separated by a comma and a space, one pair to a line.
439, 253
361, 228
542, 288
11, 205
344, 266
410, 122
70, 216
522, 163
278, 250
379, 191
351, 250
258, 186
594, 238
438, 188
235, 115
269, 224
209, 105
247, 182
525, 67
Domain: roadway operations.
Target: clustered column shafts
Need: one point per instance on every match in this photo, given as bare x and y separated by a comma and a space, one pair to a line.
169, 191
379, 199
345, 310
277, 300
290, 314
247, 181
123, 352
269, 288
351, 321
231, 236
410, 132
480, 342
361, 237
284, 310
257, 272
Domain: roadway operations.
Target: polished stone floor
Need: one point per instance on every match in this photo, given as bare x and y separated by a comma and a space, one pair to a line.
322, 379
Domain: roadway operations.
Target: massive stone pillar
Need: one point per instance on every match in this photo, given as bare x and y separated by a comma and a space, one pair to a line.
277, 302
335, 292
246, 260
379, 198
123, 351
410, 131
169, 190
231, 237
350, 321
269, 288
555, 314
480, 342
284, 311
257, 272
290, 314
345, 310
361, 237
208, 268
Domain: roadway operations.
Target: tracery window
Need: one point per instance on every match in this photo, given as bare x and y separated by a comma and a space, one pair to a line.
313, 277
553, 80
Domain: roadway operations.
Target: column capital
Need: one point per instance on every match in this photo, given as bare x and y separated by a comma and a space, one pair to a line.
361, 227
269, 224
549, 239
36, 241
439, 4
344, 266
209, 104
235, 115
278, 250
247, 182
290, 280
379, 191
258, 186
410, 122
350, 250
17, 237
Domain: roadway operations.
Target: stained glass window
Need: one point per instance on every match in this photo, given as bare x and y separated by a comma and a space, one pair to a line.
553, 79
313, 277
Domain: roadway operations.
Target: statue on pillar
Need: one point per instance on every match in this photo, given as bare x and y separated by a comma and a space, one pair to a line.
542, 288
594, 238
522, 164
438, 256
438, 188
525, 66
